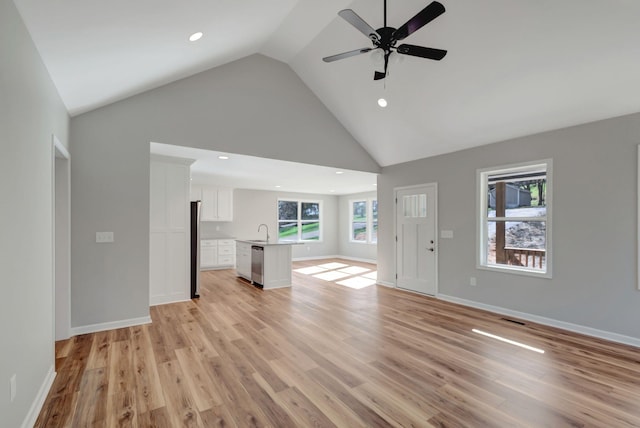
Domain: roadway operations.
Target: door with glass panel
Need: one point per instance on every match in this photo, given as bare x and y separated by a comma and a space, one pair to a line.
416, 239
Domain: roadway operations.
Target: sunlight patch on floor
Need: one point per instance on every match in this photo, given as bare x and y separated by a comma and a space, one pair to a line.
354, 270
357, 282
342, 274
331, 275
371, 275
310, 270
333, 265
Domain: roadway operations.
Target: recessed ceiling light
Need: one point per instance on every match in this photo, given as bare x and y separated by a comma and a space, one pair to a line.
195, 36
332, 191
278, 186
339, 172
382, 102
223, 157
375, 184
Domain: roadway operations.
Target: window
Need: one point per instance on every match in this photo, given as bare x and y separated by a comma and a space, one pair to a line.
515, 218
364, 221
298, 221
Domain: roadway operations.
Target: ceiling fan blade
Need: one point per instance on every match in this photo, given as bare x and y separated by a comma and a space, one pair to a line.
422, 52
426, 15
354, 19
346, 54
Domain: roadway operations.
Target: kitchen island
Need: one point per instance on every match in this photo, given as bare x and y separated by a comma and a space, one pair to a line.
266, 264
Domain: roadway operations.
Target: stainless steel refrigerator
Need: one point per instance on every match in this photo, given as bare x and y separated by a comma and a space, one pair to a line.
195, 249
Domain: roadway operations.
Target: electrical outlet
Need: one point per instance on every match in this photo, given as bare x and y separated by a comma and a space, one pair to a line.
472, 281
12, 387
104, 237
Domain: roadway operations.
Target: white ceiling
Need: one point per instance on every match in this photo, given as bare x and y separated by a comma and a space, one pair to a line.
514, 67
249, 172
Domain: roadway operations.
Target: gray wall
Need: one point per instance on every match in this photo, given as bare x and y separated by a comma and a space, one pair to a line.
255, 106
253, 207
594, 225
347, 248
30, 112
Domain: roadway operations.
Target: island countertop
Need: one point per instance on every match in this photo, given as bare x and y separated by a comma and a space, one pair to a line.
263, 243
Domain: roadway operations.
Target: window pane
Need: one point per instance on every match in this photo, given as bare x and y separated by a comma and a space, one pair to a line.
310, 211
288, 231
415, 205
311, 231
522, 198
523, 243
287, 210
359, 221
374, 225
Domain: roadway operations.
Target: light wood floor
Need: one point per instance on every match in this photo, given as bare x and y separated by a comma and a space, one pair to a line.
321, 354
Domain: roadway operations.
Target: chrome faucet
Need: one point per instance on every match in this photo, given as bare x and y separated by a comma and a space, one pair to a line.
267, 230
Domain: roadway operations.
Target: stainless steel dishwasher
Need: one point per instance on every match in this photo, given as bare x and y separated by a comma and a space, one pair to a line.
257, 265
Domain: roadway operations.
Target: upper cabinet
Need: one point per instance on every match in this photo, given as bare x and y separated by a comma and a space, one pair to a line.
217, 202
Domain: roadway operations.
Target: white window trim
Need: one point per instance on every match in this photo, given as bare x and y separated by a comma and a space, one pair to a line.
300, 202
481, 219
369, 208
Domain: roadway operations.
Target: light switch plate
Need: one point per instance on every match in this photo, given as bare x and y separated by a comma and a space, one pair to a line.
446, 234
104, 237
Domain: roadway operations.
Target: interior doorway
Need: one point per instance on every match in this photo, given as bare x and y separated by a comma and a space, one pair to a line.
416, 238
61, 241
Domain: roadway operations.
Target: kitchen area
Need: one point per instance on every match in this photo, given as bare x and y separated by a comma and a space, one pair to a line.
224, 243
241, 222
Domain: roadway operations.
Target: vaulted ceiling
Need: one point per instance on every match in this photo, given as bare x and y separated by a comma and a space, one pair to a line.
513, 68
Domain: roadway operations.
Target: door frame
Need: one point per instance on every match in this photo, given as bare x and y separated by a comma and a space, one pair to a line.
435, 234
61, 292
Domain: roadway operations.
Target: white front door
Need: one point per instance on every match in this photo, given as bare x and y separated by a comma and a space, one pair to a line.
416, 239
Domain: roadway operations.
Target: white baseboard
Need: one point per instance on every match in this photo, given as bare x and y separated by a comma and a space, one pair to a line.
601, 334
358, 259
171, 298
94, 328
386, 284
302, 259
355, 259
37, 404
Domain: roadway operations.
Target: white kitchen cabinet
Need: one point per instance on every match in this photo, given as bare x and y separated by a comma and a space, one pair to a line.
217, 202
243, 260
208, 253
277, 266
217, 253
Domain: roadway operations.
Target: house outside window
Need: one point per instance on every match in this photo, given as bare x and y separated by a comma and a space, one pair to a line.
299, 220
514, 226
363, 218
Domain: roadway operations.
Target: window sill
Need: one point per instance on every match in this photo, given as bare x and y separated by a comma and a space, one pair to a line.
362, 242
516, 271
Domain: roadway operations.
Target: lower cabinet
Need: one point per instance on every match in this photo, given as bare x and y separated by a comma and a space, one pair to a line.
243, 260
217, 253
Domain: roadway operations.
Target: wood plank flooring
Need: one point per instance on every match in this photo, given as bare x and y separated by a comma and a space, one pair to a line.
321, 354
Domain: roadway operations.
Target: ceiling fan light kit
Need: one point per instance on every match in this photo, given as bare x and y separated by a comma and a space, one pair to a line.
384, 39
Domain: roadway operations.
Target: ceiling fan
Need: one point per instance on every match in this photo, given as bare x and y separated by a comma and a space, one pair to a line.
385, 38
